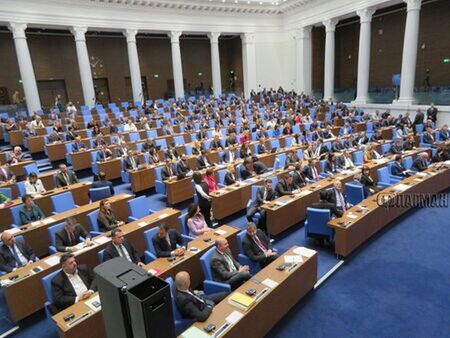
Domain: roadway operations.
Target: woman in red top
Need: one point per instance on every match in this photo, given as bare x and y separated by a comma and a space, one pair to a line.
245, 137
210, 180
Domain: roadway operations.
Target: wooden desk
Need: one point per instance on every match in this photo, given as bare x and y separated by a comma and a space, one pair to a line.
13, 187
363, 226
56, 151
48, 179
4, 156
179, 190
36, 144
165, 269
79, 192
17, 169
112, 168
142, 179
81, 160
16, 138
29, 285
36, 234
274, 305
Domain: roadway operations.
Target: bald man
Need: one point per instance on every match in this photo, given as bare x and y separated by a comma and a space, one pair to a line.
14, 253
192, 303
225, 268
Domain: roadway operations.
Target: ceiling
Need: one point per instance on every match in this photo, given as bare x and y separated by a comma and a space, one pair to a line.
217, 6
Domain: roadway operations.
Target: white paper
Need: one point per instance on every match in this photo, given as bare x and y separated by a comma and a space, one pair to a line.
234, 317
418, 179
352, 216
6, 282
422, 174
280, 203
293, 259
152, 271
52, 260
93, 300
304, 252
401, 187
101, 240
270, 283
163, 215
303, 193
35, 223
220, 232
13, 231
142, 224
48, 220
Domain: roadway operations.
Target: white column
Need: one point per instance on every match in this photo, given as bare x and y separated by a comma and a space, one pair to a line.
135, 70
25, 67
249, 62
303, 38
365, 16
215, 63
328, 88
176, 64
84, 65
410, 52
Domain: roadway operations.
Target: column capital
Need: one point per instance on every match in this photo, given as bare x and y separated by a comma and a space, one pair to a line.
248, 38
303, 33
130, 34
79, 32
175, 36
214, 37
330, 24
365, 14
18, 29
413, 5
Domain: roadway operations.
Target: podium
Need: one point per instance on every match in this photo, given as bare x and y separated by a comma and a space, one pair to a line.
134, 303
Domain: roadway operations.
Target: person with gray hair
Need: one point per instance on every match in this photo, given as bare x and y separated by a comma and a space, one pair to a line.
191, 303
421, 162
70, 236
257, 247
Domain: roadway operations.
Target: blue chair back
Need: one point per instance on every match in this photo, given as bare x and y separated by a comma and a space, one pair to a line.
101, 256
408, 162
383, 175
274, 144
358, 157
183, 224
221, 175
52, 230
134, 137
148, 235
92, 219
21, 188
138, 207
282, 158
31, 168
7, 192
385, 148
15, 214
97, 194
162, 143
179, 140
354, 192
47, 284
205, 262
62, 202
240, 237
316, 222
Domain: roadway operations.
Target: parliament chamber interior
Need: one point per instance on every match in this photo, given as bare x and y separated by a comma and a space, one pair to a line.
224, 168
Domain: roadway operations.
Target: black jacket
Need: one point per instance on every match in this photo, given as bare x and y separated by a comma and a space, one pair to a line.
252, 250
7, 261
191, 307
162, 248
228, 179
101, 184
61, 181
111, 252
62, 238
327, 205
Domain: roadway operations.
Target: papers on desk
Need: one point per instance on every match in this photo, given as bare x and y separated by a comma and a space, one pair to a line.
142, 224
418, 179
82, 247
271, 283
163, 215
94, 303
35, 224
422, 174
234, 317
6, 282
154, 272
350, 215
304, 252
102, 240
220, 232
292, 259
13, 231
303, 193
401, 187
282, 201
52, 260
194, 332
48, 220
349, 172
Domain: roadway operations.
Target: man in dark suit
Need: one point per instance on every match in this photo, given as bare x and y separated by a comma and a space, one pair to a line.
418, 119
262, 134
121, 247
70, 235
337, 146
65, 176
6, 175
310, 171
247, 169
102, 182
444, 134
73, 284
337, 198
257, 247
166, 240
258, 166
432, 113
70, 134
104, 154
420, 163
14, 253
396, 147
131, 161
225, 268
171, 152
183, 166
54, 137
216, 144
285, 186
350, 142
78, 145
324, 204
298, 177
320, 150
428, 137
168, 171
147, 145
201, 135
291, 158
191, 303
202, 161
398, 169
263, 194
261, 148
231, 154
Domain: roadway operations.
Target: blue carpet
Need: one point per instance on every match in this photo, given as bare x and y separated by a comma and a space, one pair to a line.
396, 286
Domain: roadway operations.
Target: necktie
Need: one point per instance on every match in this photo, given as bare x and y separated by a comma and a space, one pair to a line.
260, 244
71, 238
168, 242
231, 265
314, 170
66, 177
133, 162
16, 256
104, 155
264, 196
341, 198
122, 252
34, 186
170, 170
196, 297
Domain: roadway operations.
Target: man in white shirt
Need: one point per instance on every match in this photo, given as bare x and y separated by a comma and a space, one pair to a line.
73, 283
37, 123
130, 127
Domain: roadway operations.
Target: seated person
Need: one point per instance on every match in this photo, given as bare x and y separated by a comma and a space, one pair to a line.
285, 186
33, 185
202, 161
166, 240
428, 137
263, 194
183, 166
78, 145
398, 169
345, 161
121, 247
154, 157
16, 156
397, 147
444, 134
65, 176
106, 219
168, 171
247, 169
121, 151
370, 154
73, 283
68, 237
230, 175
171, 152
29, 212
299, 177
6, 175
245, 151
259, 166
324, 204
231, 154
410, 143
225, 268
291, 158
350, 142
216, 144
310, 171
131, 161
104, 154
196, 221
336, 196
14, 253
102, 182
420, 163
193, 304
368, 183
257, 247
261, 148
